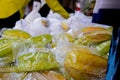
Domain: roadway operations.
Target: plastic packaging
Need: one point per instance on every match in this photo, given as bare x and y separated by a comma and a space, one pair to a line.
37, 28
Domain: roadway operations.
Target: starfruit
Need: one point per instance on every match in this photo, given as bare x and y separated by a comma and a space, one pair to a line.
6, 50
70, 37
5, 47
91, 29
103, 48
37, 61
41, 40
15, 33
83, 64
95, 37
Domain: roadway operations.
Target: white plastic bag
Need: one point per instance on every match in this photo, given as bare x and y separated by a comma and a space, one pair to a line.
32, 16
55, 16
55, 26
21, 24
36, 28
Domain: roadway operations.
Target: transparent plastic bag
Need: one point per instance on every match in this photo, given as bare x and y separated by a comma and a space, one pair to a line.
55, 26
47, 75
79, 61
30, 58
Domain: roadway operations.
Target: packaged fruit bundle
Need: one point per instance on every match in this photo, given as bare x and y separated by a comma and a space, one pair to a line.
83, 63
26, 53
96, 37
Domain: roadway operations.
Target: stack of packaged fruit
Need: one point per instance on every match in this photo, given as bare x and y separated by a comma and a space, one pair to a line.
23, 57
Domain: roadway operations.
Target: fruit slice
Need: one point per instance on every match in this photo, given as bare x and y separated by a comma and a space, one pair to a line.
82, 64
14, 33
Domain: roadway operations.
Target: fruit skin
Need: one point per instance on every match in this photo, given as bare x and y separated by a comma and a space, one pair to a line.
15, 33
82, 64
37, 61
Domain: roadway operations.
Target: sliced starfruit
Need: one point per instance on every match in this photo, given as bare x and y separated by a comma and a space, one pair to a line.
83, 64
103, 48
15, 33
41, 40
95, 37
37, 61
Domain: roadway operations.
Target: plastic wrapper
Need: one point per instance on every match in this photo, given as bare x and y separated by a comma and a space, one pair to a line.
62, 46
79, 21
29, 57
32, 54
55, 27
79, 62
21, 24
76, 24
37, 27
93, 35
47, 75
15, 34
6, 53
36, 62
53, 46
55, 16
32, 15
65, 25
83, 63
42, 41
